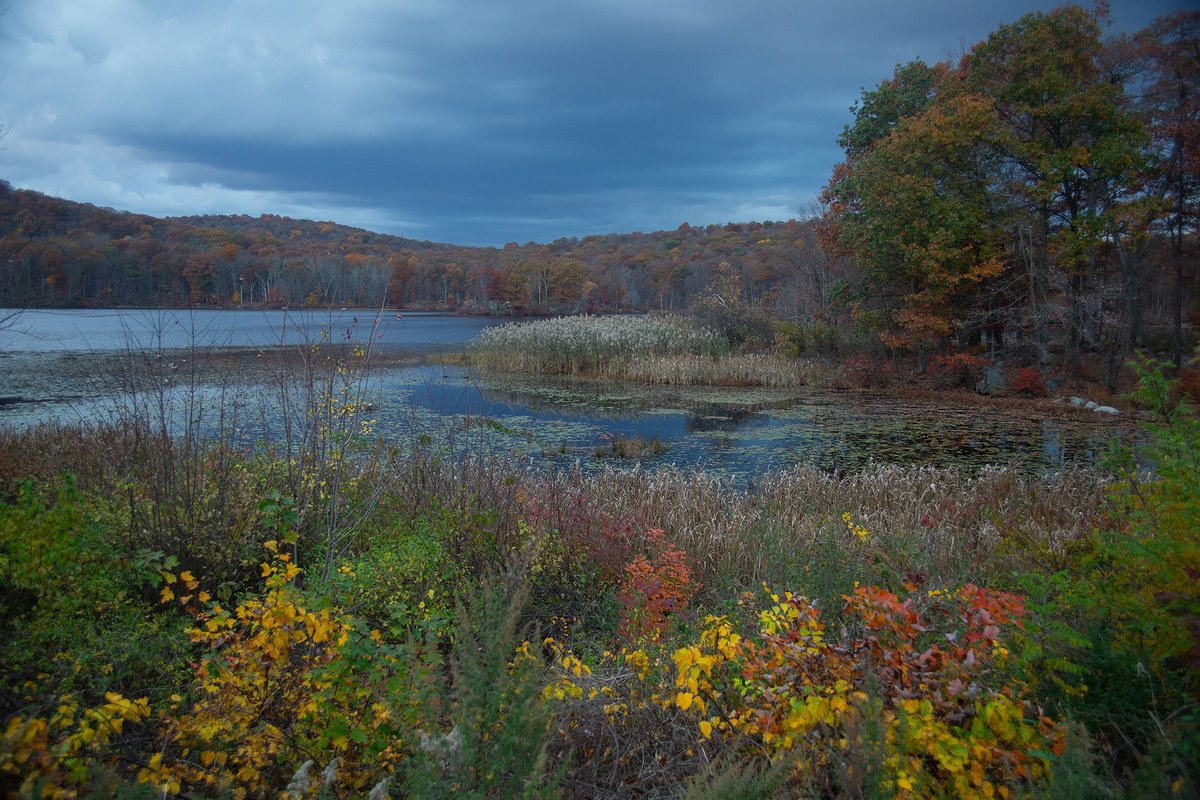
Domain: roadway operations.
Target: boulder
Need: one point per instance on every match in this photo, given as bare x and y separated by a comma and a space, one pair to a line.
1105, 410
992, 381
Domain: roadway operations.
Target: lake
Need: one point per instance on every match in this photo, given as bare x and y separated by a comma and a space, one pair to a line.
58, 366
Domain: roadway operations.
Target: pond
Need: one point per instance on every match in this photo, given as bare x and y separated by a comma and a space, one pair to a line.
735, 432
55, 368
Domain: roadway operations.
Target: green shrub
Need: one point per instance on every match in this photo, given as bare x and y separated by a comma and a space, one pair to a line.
58, 567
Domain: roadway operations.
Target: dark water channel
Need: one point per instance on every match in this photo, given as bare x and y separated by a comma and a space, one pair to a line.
739, 432
54, 370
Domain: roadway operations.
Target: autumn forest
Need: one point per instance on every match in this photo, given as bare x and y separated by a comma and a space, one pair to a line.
267, 570
1042, 193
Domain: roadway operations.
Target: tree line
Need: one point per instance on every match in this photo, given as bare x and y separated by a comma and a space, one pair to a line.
1038, 199
61, 253
1043, 189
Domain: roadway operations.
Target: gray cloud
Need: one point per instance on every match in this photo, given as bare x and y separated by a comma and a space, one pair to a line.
474, 122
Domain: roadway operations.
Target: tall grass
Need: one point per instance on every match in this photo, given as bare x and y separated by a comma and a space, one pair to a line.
604, 347
954, 525
665, 350
733, 369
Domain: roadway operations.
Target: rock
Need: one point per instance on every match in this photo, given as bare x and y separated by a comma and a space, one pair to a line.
1077, 401
992, 381
1106, 410
1091, 405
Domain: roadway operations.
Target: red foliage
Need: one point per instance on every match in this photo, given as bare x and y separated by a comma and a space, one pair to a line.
658, 585
894, 627
1189, 384
1029, 381
957, 369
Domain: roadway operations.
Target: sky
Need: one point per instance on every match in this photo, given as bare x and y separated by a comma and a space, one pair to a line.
474, 122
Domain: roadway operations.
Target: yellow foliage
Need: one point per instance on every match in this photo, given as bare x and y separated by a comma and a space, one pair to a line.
61, 754
789, 686
274, 689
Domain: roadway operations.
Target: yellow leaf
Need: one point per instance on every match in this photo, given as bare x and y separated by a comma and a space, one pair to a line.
167, 594
706, 729
684, 700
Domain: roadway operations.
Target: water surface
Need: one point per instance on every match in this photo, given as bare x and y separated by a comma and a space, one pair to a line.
74, 366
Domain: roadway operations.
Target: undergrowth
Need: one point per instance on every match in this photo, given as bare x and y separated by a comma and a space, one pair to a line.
472, 627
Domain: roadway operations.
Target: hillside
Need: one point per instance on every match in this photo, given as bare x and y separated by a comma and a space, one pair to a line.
60, 253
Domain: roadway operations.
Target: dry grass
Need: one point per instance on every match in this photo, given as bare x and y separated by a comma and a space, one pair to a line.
654, 349
955, 521
952, 524
598, 346
734, 369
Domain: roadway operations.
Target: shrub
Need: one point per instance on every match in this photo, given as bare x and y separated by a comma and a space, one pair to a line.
957, 369
926, 671
70, 752
57, 567
1148, 567
657, 588
1029, 382
288, 691
272, 692
868, 373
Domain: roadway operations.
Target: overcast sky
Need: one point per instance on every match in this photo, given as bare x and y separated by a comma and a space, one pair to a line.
464, 121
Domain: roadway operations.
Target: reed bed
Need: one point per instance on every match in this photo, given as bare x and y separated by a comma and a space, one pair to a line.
769, 370
595, 346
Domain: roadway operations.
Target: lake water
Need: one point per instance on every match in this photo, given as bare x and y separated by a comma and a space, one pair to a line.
80, 331
53, 368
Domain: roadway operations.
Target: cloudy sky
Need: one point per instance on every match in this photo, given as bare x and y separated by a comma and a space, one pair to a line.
465, 121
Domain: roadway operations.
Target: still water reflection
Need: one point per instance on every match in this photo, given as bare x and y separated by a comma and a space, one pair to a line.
53, 369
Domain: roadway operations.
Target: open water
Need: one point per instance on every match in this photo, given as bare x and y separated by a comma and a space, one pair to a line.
72, 366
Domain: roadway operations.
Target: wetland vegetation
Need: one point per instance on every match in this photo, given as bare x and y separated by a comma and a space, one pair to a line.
825, 524
350, 606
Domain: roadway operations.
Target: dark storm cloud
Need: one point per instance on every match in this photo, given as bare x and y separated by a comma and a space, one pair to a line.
472, 122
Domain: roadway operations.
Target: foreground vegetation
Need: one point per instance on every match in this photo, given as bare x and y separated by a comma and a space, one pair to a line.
333, 617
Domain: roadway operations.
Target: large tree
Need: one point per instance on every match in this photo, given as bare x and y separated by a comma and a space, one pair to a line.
1023, 161
1069, 145
1170, 101
911, 203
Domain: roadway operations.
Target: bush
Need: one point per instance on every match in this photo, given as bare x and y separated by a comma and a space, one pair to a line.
957, 370
1029, 381
868, 373
657, 588
57, 567
926, 671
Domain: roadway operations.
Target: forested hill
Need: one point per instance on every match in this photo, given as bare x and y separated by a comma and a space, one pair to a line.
56, 252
